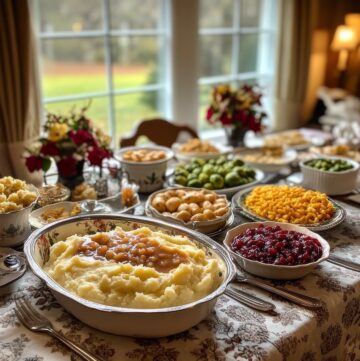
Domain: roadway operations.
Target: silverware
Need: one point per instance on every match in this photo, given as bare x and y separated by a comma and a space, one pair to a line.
34, 321
295, 297
344, 263
249, 300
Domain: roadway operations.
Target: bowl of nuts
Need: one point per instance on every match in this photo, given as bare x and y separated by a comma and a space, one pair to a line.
146, 166
276, 250
202, 210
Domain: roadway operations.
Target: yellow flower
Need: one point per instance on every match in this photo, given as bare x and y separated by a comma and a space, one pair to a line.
57, 131
222, 89
103, 138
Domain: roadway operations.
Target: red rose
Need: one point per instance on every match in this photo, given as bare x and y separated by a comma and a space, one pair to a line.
96, 155
253, 123
33, 163
81, 136
209, 113
67, 166
49, 149
225, 119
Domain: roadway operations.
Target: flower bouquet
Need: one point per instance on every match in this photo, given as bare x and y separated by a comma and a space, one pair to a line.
69, 140
238, 110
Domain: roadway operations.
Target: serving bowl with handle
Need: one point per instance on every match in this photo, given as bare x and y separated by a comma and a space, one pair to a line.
120, 320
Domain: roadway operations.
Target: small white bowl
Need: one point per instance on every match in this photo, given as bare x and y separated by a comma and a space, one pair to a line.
288, 157
277, 272
188, 156
149, 176
35, 216
331, 183
15, 226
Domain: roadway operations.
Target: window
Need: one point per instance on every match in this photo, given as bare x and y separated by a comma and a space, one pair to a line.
237, 41
109, 51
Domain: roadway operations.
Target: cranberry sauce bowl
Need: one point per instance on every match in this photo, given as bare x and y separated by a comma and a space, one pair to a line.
276, 250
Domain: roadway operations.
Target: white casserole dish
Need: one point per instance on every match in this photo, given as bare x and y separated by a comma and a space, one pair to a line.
124, 321
331, 183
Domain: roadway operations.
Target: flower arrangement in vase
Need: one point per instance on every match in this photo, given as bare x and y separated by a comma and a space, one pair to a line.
238, 110
70, 140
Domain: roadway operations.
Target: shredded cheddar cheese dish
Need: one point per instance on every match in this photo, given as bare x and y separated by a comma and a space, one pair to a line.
289, 204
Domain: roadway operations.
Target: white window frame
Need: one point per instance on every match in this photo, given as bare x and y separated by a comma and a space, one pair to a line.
107, 34
179, 58
266, 27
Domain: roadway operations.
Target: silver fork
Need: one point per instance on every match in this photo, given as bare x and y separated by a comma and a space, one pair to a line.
34, 321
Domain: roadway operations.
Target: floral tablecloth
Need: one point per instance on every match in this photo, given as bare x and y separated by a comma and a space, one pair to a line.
232, 332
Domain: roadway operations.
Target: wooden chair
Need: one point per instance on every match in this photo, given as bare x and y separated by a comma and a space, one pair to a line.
158, 131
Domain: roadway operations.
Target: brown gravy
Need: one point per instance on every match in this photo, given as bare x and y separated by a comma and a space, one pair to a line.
134, 249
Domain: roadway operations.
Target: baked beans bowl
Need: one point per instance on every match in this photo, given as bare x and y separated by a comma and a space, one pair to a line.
145, 165
129, 321
275, 271
199, 209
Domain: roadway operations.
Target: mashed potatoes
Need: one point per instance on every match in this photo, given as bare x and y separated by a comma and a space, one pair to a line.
135, 269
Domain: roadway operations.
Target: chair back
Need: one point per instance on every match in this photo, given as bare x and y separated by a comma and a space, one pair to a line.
158, 131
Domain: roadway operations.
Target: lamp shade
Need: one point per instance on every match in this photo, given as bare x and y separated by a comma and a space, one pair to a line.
353, 20
345, 38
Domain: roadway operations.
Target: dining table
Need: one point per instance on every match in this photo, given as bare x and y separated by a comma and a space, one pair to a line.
232, 331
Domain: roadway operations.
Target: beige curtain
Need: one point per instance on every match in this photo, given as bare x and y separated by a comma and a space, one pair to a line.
293, 57
19, 88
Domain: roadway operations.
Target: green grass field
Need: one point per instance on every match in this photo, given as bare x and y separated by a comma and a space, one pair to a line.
129, 108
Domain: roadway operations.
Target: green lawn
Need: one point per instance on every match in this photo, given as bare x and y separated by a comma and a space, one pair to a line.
129, 108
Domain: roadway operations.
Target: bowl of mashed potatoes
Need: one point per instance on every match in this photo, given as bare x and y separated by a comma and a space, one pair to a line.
130, 275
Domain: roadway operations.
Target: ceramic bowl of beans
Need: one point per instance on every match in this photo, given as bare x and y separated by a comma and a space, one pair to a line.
330, 175
276, 250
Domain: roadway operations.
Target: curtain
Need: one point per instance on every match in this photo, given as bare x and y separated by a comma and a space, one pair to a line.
20, 109
292, 63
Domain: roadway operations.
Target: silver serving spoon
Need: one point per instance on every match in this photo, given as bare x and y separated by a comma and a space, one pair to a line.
295, 297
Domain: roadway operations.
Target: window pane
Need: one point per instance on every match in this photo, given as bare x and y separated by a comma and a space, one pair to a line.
215, 55
250, 13
216, 13
72, 66
248, 56
70, 15
131, 108
136, 61
98, 111
247, 82
135, 14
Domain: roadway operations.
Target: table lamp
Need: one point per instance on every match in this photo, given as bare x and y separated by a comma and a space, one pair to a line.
345, 39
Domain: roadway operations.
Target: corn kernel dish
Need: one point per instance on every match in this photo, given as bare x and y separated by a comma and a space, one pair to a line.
14, 195
135, 269
289, 204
